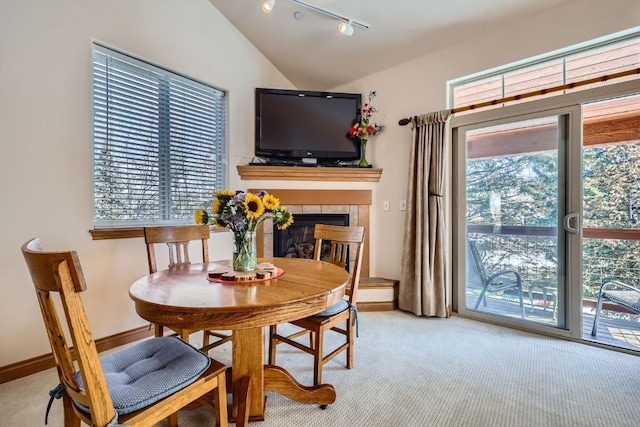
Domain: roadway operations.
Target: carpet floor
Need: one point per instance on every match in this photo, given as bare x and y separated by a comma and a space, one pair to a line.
412, 371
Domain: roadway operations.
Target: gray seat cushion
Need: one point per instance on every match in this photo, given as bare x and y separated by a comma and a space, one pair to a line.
336, 308
628, 299
147, 372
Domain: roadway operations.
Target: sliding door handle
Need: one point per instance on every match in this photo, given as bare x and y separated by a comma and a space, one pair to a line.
570, 219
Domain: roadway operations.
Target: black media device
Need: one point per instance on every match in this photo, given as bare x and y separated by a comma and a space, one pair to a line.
295, 127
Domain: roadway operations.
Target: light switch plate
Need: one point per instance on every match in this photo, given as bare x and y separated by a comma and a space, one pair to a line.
385, 205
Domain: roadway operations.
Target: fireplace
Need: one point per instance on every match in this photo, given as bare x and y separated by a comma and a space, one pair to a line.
354, 204
297, 241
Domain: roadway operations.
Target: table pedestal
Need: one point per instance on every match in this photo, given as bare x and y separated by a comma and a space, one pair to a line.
250, 379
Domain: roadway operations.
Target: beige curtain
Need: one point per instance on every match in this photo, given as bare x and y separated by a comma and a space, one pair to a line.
423, 284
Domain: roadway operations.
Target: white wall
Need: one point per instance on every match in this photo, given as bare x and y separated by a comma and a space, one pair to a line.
45, 128
46, 136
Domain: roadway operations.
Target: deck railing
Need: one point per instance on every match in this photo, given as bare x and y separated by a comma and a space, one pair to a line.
532, 251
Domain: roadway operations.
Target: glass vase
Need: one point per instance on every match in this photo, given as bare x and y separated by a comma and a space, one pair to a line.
244, 251
363, 154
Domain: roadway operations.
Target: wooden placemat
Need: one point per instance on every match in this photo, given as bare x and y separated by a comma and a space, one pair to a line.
279, 273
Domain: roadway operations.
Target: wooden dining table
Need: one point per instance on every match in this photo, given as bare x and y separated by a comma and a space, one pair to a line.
183, 297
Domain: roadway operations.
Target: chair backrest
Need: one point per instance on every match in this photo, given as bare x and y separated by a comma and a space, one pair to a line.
346, 243
60, 272
177, 239
475, 267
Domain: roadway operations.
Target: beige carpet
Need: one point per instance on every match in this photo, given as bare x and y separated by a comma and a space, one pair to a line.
412, 371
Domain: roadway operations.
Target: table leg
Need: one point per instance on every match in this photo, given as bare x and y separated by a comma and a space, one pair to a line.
247, 362
280, 381
250, 378
545, 291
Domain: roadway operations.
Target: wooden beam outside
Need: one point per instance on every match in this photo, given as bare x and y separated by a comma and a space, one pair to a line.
535, 139
611, 130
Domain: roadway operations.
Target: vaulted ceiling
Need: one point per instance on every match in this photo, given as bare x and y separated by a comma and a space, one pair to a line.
308, 49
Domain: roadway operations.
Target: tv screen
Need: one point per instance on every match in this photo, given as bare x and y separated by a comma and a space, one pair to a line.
293, 125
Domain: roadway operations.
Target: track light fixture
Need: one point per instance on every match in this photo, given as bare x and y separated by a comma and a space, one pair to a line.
345, 27
267, 5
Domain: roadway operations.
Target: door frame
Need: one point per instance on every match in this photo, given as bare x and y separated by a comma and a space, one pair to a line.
571, 308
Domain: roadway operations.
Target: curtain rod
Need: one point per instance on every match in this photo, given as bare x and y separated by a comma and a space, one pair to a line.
404, 122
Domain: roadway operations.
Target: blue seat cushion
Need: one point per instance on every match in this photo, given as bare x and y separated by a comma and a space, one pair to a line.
147, 372
336, 308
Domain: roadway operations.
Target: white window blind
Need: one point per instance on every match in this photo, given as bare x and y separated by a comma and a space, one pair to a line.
159, 143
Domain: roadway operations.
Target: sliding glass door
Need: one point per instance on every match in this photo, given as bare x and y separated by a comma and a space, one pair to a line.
546, 209
611, 205
513, 201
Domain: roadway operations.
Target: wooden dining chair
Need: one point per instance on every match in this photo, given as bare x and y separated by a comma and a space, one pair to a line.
344, 242
137, 386
177, 239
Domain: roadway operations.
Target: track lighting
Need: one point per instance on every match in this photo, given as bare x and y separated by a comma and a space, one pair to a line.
346, 28
267, 5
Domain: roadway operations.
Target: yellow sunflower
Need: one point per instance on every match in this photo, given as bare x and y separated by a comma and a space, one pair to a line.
270, 202
253, 206
215, 208
223, 193
283, 218
201, 217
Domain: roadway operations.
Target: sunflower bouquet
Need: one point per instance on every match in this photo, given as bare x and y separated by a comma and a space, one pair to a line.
242, 213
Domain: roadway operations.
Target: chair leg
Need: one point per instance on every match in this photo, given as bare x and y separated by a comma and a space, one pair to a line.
317, 359
350, 339
172, 420
70, 417
531, 296
158, 330
273, 330
596, 318
312, 340
242, 417
205, 339
220, 402
521, 302
481, 297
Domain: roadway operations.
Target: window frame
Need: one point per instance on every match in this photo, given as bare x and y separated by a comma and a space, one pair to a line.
116, 229
561, 55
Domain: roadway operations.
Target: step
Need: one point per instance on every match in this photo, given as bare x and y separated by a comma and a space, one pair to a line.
377, 294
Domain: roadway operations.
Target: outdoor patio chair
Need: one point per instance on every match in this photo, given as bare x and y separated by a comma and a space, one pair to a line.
501, 281
622, 294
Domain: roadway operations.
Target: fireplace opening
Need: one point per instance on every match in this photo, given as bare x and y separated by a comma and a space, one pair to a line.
297, 241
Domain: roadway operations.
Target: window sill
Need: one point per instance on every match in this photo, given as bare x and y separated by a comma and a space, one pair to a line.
126, 233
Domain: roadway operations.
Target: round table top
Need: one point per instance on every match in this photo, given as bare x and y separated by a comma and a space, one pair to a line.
184, 298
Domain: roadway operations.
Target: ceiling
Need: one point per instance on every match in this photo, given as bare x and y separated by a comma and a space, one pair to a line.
313, 55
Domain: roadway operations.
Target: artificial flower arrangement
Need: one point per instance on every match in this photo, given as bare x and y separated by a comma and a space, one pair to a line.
242, 212
366, 127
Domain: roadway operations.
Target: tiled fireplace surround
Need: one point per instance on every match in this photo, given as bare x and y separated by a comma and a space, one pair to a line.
356, 203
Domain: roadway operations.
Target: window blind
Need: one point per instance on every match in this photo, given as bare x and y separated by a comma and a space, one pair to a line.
159, 142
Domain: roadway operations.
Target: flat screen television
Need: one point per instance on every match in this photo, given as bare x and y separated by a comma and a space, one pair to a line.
305, 127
